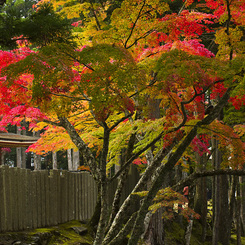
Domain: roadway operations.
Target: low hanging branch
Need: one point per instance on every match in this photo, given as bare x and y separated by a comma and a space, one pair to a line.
190, 179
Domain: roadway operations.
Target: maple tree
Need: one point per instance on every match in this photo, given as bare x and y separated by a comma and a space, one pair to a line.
134, 85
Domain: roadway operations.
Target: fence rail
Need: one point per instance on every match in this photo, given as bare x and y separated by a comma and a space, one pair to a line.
31, 199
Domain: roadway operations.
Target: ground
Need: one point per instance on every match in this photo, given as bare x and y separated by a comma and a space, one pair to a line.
62, 234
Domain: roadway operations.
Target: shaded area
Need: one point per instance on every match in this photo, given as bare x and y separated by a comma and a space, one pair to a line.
67, 233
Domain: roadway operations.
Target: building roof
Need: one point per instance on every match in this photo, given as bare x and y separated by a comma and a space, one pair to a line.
16, 140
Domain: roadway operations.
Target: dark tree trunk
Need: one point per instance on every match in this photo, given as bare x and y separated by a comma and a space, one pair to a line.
93, 222
238, 213
154, 234
200, 202
243, 206
221, 227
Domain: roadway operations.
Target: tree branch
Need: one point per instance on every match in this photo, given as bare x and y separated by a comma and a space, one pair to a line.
132, 29
83, 148
190, 179
119, 121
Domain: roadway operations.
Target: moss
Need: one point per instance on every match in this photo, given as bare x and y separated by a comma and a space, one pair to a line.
233, 239
60, 234
64, 234
174, 233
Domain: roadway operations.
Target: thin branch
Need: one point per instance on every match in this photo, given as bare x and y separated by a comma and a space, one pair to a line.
152, 82
220, 134
86, 65
67, 96
134, 25
119, 121
139, 38
183, 103
95, 16
57, 124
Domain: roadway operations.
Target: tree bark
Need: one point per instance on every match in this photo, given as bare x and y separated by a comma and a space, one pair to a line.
69, 159
76, 159
200, 202
54, 160
238, 213
164, 169
188, 232
221, 228
141, 184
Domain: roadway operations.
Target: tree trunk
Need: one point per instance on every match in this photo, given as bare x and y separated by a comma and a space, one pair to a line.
54, 160
188, 232
154, 228
69, 159
93, 222
221, 227
234, 183
200, 198
76, 159
238, 213
243, 206
37, 158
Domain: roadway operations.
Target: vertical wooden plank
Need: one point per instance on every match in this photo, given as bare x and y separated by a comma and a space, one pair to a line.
24, 199
51, 198
43, 177
66, 196
83, 199
35, 199
20, 194
76, 196
28, 204
86, 195
89, 186
56, 203
14, 194
95, 193
38, 195
58, 196
12, 199
79, 196
3, 204
71, 205
48, 202
92, 195
63, 192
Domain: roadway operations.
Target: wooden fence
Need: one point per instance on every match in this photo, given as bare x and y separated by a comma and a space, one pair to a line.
32, 199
